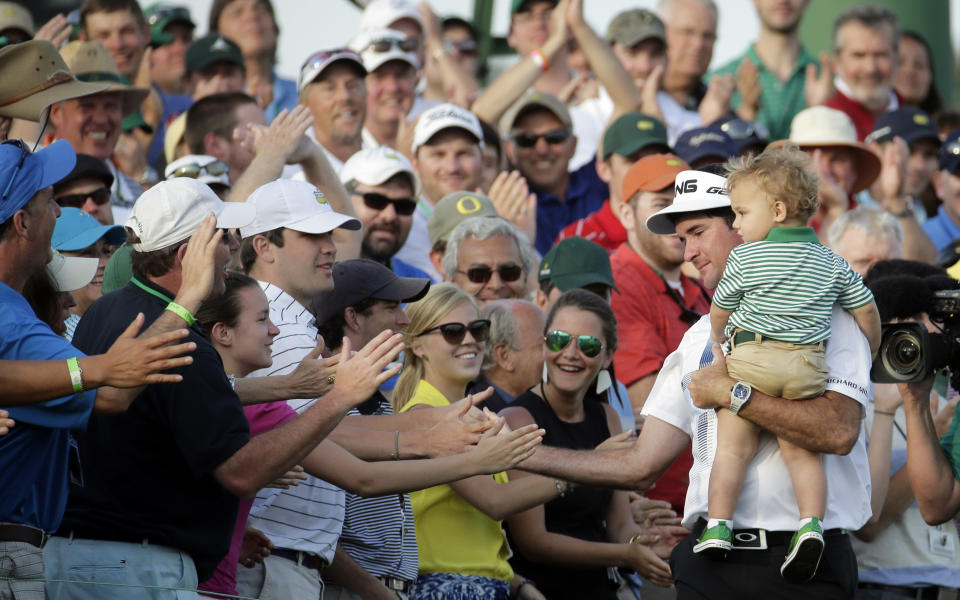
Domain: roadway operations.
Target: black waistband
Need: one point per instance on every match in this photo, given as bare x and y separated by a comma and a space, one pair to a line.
774, 538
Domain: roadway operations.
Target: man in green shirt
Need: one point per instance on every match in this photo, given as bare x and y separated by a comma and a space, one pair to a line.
781, 77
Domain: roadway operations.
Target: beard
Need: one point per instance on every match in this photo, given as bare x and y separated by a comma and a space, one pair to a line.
381, 250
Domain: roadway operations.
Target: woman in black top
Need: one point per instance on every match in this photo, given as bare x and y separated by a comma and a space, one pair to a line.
568, 544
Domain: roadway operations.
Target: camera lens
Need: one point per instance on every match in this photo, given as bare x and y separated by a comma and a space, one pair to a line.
901, 355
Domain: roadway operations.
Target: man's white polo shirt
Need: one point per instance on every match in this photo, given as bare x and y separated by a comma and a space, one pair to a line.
767, 499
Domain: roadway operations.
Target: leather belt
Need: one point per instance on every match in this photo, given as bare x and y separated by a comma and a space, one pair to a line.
920, 593
742, 336
398, 585
304, 559
12, 532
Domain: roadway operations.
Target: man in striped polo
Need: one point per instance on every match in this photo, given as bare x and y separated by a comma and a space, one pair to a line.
773, 306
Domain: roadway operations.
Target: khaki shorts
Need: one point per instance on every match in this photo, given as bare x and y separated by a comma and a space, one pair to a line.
782, 369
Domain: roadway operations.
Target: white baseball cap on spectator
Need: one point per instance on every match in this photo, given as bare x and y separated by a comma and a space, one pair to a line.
202, 167
704, 191
71, 272
318, 62
296, 205
381, 14
374, 166
444, 116
171, 211
379, 46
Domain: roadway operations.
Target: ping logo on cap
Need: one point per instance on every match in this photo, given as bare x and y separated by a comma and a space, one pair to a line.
921, 119
468, 205
644, 125
689, 186
319, 196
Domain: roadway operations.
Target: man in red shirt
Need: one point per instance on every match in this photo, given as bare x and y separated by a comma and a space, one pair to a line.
656, 303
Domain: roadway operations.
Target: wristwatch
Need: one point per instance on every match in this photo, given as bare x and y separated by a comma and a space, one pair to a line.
739, 395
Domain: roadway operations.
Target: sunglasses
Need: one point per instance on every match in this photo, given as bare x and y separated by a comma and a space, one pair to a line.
483, 273
558, 340
403, 206
169, 11
24, 152
739, 129
100, 197
464, 47
454, 333
193, 170
529, 140
386, 45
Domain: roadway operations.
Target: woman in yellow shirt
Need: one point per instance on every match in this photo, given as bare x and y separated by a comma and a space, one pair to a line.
462, 549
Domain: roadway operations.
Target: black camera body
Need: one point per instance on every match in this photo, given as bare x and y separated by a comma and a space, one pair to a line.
909, 353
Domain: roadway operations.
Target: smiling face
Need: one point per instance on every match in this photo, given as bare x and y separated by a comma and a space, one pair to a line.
91, 124
447, 363
252, 337
122, 35
383, 315
88, 185
304, 264
337, 101
494, 252
385, 230
449, 162
543, 164
390, 92
86, 295
865, 60
570, 370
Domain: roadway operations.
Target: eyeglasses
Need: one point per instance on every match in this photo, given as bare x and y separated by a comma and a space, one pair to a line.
454, 333
483, 273
463, 47
166, 12
387, 44
24, 152
194, 170
403, 206
739, 129
100, 197
558, 340
529, 140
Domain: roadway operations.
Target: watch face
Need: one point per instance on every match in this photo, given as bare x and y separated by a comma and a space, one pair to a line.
741, 392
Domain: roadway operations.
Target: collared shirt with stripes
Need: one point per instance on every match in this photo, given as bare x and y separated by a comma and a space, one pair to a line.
308, 517
378, 532
785, 287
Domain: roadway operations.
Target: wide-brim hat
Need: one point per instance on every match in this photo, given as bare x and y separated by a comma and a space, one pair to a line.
823, 127
33, 76
91, 62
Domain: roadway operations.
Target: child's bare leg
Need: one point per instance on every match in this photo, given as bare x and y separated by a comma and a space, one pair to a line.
809, 479
736, 445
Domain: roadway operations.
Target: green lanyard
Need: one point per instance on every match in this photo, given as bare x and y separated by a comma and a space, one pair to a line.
160, 295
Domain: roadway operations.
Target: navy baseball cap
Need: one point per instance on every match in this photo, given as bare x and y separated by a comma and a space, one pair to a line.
745, 134
76, 230
907, 122
950, 152
24, 173
361, 278
702, 142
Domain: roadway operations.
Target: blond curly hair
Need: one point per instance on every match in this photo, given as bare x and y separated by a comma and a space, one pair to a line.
786, 174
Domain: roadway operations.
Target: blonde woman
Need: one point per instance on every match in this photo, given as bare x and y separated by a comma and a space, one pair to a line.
462, 550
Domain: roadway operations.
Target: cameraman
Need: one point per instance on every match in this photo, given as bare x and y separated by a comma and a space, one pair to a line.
898, 554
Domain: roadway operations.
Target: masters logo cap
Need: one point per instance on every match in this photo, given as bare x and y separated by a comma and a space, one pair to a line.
296, 205
695, 191
632, 132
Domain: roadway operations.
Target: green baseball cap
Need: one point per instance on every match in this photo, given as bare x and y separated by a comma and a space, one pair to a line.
632, 132
521, 5
575, 262
632, 26
212, 48
135, 121
159, 15
119, 269
453, 209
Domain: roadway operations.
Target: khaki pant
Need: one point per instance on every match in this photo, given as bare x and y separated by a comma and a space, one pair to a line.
781, 369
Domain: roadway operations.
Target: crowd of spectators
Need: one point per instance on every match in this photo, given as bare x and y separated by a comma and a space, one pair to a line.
402, 329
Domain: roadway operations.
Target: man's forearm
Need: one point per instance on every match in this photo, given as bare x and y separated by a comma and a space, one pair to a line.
346, 572
611, 74
828, 424
931, 477
257, 390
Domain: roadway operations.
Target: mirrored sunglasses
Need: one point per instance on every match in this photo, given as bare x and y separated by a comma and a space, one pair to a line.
558, 340
386, 45
194, 170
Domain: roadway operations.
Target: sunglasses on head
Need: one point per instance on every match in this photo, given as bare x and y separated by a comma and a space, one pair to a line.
483, 273
454, 333
24, 152
739, 129
194, 170
464, 47
403, 206
99, 196
558, 340
529, 140
388, 44
318, 58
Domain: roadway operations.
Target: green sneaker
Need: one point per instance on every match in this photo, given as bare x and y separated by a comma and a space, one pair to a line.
715, 541
803, 557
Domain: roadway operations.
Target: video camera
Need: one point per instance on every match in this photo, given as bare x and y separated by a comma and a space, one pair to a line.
909, 353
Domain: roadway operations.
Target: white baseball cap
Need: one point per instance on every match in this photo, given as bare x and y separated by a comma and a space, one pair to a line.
695, 191
296, 205
210, 169
373, 166
71, 272
379, 46
381, 14
444, 116
318, 62
171, 211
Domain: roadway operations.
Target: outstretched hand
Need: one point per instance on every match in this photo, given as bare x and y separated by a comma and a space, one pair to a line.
361, 373
134, 361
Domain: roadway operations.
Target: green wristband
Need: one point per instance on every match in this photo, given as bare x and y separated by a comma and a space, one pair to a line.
76, 374
181, 312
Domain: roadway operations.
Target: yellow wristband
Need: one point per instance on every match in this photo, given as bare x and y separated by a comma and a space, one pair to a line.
181, 312
76, 374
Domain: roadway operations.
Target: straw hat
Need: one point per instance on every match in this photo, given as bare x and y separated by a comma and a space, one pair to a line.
91, 62
819, 126
33, 76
